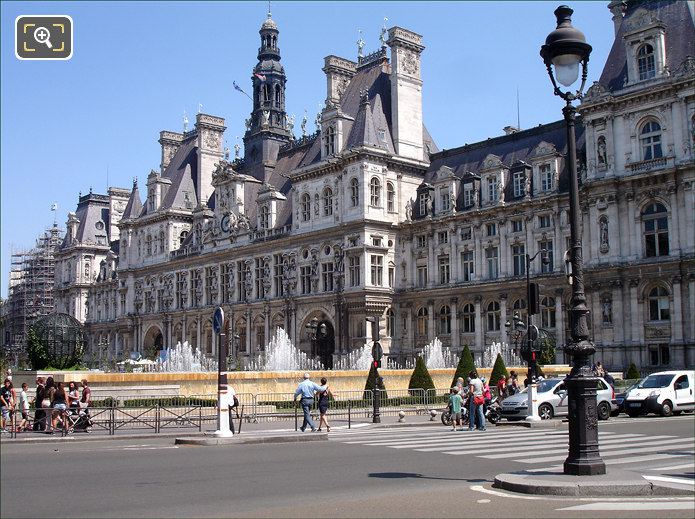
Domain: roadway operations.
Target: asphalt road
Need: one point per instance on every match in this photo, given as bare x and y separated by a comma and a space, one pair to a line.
154, 478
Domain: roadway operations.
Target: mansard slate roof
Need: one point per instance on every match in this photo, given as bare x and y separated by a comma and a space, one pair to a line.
134, 206
91, 208
680, 38
510, 149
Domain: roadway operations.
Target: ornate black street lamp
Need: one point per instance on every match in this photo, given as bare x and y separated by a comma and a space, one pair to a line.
311, 328
515, 330
564, 51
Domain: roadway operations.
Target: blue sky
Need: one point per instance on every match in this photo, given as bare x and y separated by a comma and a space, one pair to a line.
137, 66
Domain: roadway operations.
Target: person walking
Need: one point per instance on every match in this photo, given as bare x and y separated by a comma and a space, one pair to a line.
6, 403
455, 403
39, 413
323, 404
60, 405
73, 395
460, 385
24, 407
232, 404
502, 387
476, 403
305, 391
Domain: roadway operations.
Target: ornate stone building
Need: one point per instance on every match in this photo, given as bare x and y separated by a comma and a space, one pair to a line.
367, 218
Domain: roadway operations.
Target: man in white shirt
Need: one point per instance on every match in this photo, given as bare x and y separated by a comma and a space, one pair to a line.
475, 385
232, 403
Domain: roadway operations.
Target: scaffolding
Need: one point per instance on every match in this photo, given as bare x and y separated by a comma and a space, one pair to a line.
31, 287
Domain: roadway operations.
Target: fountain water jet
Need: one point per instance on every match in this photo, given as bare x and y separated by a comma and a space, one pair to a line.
182, 358
438, 357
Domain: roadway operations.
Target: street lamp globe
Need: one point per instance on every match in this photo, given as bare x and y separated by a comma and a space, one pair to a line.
564, 50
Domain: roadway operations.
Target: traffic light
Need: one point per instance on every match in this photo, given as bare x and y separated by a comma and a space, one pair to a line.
534, 299
376, 363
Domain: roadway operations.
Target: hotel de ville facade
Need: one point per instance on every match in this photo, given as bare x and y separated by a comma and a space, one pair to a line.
366, 217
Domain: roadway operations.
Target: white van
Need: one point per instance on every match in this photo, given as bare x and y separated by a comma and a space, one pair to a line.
664, 393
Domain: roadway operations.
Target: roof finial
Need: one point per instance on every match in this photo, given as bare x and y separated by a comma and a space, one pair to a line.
269, 13
185, 122
384, 32
360, 44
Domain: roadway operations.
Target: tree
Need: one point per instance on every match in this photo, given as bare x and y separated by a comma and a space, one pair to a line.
547, 351
371, 383
421, 379
465, 365
36, 349
632, 372
498, 370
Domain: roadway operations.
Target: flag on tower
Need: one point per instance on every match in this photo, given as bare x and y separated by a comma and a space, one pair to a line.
259, 76
54, 207
238, 89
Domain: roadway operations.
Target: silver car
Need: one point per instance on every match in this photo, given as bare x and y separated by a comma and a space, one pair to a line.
552, 400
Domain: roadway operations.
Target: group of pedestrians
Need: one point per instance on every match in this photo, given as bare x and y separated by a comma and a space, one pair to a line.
307, 392
477, 393
52, 402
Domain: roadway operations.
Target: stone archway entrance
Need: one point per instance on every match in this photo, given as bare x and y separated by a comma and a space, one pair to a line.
153, 343
325, 343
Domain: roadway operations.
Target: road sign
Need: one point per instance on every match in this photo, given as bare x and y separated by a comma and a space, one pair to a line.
218, 319
377, 351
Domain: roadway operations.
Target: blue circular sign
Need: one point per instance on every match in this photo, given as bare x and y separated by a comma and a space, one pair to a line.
218, 319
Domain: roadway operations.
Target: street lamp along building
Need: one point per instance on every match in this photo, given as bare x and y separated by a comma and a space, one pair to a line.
365, 217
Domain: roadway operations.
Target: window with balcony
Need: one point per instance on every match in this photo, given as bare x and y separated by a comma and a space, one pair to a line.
650, 141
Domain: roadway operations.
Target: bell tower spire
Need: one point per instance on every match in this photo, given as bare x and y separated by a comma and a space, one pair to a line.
267, 128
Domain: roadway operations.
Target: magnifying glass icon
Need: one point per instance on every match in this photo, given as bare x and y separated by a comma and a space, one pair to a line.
42, 35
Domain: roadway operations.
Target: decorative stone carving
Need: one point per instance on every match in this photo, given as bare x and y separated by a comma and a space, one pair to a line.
604, 245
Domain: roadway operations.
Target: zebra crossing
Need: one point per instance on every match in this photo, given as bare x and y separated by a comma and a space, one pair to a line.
527, 447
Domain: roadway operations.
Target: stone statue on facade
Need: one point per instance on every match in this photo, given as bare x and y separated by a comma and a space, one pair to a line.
607, 311
266, 117
603, 235
237, 149
601, 151
409, 210
302, 125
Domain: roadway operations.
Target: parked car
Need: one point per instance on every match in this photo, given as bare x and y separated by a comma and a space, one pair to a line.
552, 401
664, 393
619, 399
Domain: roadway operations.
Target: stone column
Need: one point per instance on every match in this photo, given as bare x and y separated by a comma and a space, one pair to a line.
675, 224
633, 223
677, 320
503, 317
431, 262
618, 317
198, 333
408, 312
455, 336
431, 330
635, 313
248, 331
478, 325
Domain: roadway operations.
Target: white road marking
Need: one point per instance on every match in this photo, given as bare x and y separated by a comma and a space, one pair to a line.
676, 467
639, 459
632, 505
466, 449
512, 495
680, 481
610, 452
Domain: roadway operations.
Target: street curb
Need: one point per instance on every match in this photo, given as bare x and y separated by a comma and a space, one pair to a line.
89, 438
543, 424
613, 483
405, 424
249, 440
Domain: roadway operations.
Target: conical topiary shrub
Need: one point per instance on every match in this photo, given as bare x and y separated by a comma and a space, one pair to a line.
498, 370
465, 365
632, 372
371, 383
421, 379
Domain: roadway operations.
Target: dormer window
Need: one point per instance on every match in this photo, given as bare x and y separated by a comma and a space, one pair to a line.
306, 207
327, 201
519, 184
445, 202
650, 141
492, 194
645, 62
329, 141
546, 177
264, 217
375, 192
390, 197
354, 192
424, 197
468, 200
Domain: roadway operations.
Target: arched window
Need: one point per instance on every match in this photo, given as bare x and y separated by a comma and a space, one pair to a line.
655, 220
278, 95
390, 197
354, 192
493, 316
161, 241
390, 322
148, 245
519, 307
265, 217
266, 93
659, 305
468, 318
422, 321
182, 237
548, 312
650, 141
645, 62
444, 320
327, 201
306, 207
375, 192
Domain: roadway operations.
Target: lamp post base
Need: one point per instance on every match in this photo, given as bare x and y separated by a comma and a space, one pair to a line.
533, 403
584, 458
